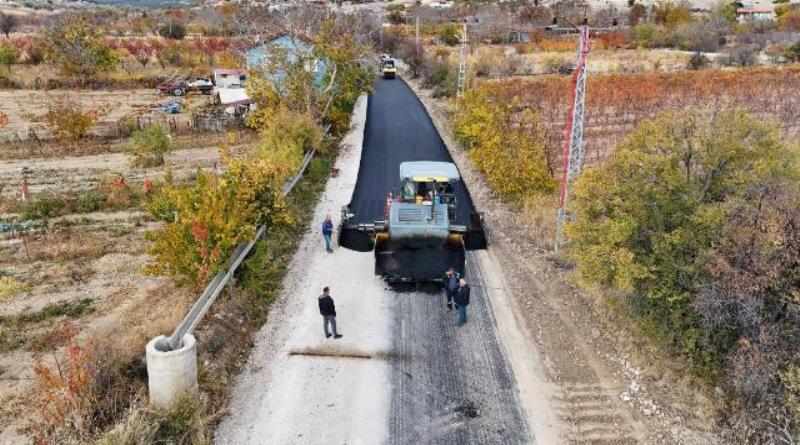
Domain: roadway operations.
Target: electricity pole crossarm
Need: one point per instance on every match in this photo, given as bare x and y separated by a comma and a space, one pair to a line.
573, 143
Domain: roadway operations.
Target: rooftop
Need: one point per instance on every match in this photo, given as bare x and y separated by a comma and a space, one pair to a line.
756, 10
428, 171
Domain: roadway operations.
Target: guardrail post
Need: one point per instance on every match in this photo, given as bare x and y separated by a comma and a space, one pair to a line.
171, 372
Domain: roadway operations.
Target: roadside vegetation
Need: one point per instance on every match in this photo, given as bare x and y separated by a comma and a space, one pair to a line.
684, 222
175, 225
689, 228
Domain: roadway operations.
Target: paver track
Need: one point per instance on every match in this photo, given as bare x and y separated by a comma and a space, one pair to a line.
453, 385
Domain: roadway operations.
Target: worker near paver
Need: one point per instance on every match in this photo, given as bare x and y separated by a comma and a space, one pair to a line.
462, 301
328, 311
450, 285
327, 231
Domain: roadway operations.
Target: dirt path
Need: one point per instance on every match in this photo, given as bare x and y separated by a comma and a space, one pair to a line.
600, 395
299, 386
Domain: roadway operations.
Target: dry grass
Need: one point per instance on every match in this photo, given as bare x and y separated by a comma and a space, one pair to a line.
539, 213
93, 146
522, 60
67, 245
10, 286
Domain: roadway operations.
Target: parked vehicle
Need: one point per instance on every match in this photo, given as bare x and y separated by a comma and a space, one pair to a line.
181, 87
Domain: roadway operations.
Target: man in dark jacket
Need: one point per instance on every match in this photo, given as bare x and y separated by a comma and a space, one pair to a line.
462, 301
328, 311
450, 285
327, 231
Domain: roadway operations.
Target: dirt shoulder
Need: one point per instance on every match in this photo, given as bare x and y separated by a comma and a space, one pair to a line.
608, 387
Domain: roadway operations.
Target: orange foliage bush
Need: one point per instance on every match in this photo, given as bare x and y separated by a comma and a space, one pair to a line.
790, 21
66, 397
611, 40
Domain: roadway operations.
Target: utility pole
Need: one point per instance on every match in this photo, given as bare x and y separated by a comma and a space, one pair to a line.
416, 33
462, 64
573, 143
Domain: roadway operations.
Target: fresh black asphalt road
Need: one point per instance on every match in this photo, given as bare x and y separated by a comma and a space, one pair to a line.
451, 385
398, 129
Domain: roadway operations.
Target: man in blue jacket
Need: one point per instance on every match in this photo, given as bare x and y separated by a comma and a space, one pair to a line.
327, 231
451, 285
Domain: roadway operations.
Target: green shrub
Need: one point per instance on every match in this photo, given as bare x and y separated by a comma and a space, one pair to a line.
137, 428
647, 219
8, 54
88, 202
450, 35
73, 309
648, 35
698, 61
792, 53
183, 422
69, 121
45, 205
149, 146
173, 30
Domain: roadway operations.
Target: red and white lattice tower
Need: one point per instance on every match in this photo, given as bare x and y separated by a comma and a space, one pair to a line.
573, 144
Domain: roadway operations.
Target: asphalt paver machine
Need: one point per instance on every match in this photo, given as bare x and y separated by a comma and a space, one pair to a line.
419, 237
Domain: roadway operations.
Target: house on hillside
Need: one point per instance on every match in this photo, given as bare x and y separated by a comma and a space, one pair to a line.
755, 14
295, 47
441, 4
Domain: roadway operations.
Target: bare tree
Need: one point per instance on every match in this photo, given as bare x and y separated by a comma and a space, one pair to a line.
7, 23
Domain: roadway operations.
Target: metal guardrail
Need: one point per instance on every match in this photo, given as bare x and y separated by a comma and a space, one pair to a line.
209, 295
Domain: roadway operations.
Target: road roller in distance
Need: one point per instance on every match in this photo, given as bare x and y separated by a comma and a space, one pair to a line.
388, 68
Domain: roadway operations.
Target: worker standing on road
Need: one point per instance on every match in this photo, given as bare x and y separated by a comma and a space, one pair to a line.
462, 301
328, 311
450, 285
327, 231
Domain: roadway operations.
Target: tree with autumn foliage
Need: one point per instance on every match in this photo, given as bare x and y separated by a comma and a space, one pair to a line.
347, 76
290, 77
78, 49
67, 393
508, 147
140, 49
692, 222
207, 219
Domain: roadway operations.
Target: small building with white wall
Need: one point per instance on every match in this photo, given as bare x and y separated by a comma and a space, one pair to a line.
755, 14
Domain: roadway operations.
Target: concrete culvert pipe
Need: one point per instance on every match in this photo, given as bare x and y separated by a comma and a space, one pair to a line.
170, 373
